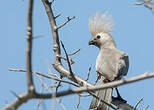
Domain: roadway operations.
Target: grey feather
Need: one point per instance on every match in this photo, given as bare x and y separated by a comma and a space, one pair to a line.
112, 63
104, 95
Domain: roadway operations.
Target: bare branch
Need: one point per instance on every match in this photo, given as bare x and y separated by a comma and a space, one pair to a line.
51, 2
15, 94
38, 104
88, 74
27, 96
13, 106
53, 25
84, 95
56, 47
41, 74
29, 48
60, 103
117, 83
54, 94
38, 36
147, 3
81, 95
100, 87
135, 107
41, 91
146, 108
98, 77
74, 52
69, 65
53, 85
59, 84
139, 3
57, 16
31, 90
68, 19
105, 86
78, 101
92, 88
71, 61
102, 101
65, 72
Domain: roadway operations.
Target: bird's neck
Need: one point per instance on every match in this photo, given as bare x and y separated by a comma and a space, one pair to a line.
110, 45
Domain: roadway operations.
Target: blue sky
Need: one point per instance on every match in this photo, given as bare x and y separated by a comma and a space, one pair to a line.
133, 33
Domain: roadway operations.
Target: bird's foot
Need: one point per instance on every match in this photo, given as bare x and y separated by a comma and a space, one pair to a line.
106, 80
120, 99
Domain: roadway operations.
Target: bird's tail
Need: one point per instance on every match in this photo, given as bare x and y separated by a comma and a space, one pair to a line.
105, 95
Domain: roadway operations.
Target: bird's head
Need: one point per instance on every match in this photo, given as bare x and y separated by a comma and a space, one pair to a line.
100, 27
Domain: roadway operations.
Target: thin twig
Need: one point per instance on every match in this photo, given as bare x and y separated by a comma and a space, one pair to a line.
54, 95
60, 103
49, 90
74, 52
15, 94
38, 103
57, 16
51, 2
78, 101
139, 3
84, 95
147, 107
88, 74
68, 19
69, 65
54, 85
41, 90
147, 3
51, 73
81, 95
98, 77
41, 74
71, 61
59, 84
135, 107
102, 101
38, 36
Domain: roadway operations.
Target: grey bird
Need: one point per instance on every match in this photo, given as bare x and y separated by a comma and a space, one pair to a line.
111, 63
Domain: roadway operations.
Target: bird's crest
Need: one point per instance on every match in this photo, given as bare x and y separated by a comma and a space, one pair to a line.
100, 23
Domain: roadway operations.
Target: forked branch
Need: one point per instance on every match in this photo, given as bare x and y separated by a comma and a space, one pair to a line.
68, 19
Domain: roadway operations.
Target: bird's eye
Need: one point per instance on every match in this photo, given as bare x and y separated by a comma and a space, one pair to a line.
98, 37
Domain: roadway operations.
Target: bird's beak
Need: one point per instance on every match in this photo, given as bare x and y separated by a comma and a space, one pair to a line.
91, 42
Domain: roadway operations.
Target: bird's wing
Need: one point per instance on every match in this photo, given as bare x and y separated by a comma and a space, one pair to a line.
122, 66
112, 63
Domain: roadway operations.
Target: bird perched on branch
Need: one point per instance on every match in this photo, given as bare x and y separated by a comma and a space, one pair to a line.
111, 63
